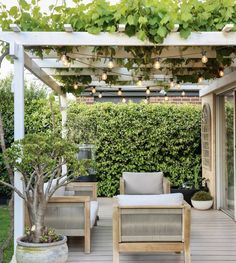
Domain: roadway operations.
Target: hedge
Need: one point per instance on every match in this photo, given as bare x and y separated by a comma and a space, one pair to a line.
139, 138
37, 115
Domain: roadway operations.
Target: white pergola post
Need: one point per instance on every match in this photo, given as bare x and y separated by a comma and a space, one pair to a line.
18, 89
63, 108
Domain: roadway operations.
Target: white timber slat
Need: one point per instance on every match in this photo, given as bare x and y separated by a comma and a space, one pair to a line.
116, 39
40, 74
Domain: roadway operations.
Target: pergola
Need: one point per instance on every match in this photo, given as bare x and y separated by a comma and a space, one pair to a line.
44, 69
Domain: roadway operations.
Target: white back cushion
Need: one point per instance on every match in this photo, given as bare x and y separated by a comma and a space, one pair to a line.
58, 192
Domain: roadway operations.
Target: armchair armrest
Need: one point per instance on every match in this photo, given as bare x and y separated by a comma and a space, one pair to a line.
166, 185
83, 189
122, 186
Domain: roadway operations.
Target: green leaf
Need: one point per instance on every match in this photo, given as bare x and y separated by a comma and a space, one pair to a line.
162, 31
185, 33
130, 30
141, 35
13, 11
131, 20
142, 20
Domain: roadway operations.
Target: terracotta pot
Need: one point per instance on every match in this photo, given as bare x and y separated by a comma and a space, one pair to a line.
56, 252
202, 205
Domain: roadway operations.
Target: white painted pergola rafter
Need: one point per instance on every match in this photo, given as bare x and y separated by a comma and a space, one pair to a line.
20, 40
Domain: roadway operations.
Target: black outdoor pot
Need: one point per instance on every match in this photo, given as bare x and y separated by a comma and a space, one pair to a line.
187, 193
87, 178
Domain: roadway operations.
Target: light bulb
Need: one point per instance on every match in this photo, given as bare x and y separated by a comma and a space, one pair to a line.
178, 85
157, 64
110, 64
148, 91
93, 90
63, 58
166, 98
100, 95
221, 72
204, 57
104, 76
172, 84
183, 93
76, 86
139, 83
66, 63
200, 79
145, 101
119, 92
124, 100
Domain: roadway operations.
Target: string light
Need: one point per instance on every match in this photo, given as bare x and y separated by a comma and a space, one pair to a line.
178, 85
157, 64
221, 72
63, 58
204, 57
104, 76
183, 93
119, 92
139, 82
145, 100
200, 79
166, 98
94, 90
76, 86
110, 64
100, 95
148, 91
124, 100
172, 84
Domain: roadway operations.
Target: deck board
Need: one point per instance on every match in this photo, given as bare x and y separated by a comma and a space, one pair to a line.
213, 239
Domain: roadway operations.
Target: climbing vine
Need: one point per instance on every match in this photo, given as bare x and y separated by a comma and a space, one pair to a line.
147, 19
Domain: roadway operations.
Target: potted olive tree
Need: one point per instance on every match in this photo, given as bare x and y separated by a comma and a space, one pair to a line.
202, 200
39, 158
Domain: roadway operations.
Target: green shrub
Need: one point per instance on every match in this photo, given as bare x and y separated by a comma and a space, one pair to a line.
202, 196
37, 116
139, 138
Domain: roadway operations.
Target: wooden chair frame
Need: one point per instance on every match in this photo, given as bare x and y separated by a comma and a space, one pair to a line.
156, 246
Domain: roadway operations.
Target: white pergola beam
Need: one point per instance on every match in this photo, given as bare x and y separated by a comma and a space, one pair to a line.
15, 28
116, 39
85, 63
174, 52
68, 28
40, 74
228, 27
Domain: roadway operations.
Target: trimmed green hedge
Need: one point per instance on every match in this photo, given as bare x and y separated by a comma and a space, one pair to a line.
139, 137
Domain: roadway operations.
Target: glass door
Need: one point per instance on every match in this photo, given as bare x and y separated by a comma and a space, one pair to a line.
228, 154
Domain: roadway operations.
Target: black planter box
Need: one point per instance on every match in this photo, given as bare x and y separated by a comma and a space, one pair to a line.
86, 178
187, 193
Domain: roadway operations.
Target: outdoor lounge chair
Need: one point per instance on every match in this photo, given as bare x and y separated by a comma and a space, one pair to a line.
144, 183
153, 223
74, 213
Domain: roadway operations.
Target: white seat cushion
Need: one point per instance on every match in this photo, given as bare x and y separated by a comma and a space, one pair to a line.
93, 212
142, 200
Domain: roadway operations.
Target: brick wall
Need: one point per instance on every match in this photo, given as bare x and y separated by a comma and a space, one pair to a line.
176, 100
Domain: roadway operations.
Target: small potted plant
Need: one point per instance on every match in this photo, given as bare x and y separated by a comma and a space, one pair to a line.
202, 200
39, 158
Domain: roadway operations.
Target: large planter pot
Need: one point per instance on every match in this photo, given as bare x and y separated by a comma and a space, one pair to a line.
56, 252
202, 205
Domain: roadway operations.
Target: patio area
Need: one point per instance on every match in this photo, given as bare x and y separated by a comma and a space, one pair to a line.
213, 239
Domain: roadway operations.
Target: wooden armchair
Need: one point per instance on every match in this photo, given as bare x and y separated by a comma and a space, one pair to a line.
151, 228
75, 213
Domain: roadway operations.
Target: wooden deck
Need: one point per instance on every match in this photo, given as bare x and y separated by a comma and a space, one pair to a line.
213, 240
